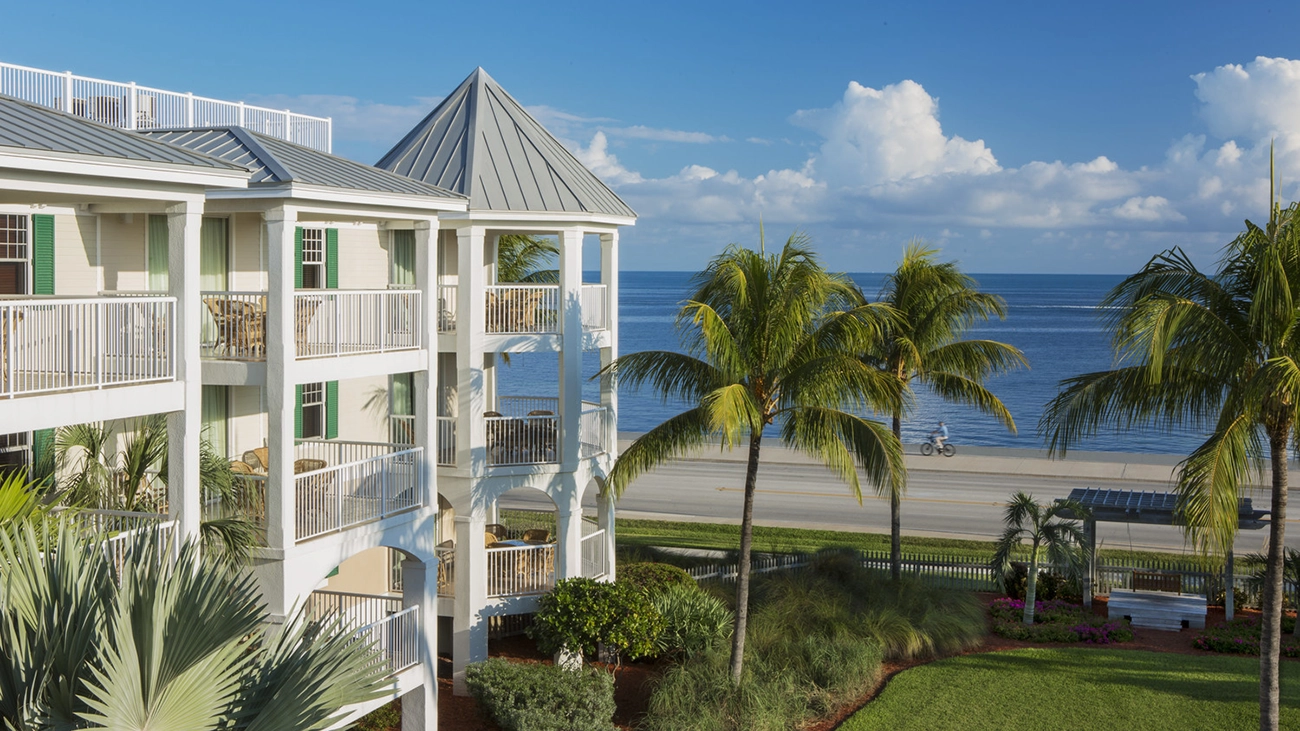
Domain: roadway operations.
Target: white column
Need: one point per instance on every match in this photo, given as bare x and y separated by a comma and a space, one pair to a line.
471, 438
570, 346
568, 524
184, 427
426, 381
280, 383
469, 626
420, 587
608, 390
605, 518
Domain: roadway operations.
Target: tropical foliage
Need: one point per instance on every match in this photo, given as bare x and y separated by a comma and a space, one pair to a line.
1050, 535
933, 305
526, 259
771, 341
1213, 352
158, 644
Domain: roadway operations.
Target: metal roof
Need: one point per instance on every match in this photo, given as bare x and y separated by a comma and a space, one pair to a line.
480, 142
1140, 506
274, 161
34, 127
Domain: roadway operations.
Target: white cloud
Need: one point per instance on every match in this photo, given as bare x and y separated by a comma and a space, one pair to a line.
640, 132
1258, 100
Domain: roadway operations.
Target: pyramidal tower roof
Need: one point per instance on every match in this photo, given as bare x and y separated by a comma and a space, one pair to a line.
480, 142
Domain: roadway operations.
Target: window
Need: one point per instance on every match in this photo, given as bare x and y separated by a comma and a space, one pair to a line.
15, 451
313, 258
401, 408
313, 410
401, 273
395, 559
13, 254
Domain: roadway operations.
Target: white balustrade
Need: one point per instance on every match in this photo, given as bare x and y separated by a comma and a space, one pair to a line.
447, 441
49, 344
396, 638
593, 430
393, 632
342, 484
353, 609
594, 558
233, 325
401, 428
523, 308
447, 294
130, 106
527, 405
522, 440
124, 530
331, 322
520, 570
595, 307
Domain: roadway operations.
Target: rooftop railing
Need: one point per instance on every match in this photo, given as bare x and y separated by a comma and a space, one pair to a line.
133, 107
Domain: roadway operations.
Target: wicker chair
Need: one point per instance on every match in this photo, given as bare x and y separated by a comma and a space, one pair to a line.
537, 535
305, 312
308, 465
498, 530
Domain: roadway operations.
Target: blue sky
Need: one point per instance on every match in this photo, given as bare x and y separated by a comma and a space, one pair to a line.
1017, 136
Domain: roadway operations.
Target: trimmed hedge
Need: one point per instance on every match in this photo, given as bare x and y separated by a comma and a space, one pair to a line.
654, 578
535, 697
581, 615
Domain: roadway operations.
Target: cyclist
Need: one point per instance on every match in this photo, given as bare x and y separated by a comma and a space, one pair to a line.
939, 436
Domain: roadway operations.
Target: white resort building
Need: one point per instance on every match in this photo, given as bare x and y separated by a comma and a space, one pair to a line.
332, 328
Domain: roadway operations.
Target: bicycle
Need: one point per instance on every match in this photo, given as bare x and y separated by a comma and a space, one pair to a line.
928, 448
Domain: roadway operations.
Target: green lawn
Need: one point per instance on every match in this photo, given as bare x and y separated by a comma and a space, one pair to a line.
636, 535
1077, 688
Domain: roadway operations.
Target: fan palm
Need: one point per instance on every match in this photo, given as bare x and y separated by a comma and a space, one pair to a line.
1218, 353
768, 342
159, 644
1050, 534
934, 303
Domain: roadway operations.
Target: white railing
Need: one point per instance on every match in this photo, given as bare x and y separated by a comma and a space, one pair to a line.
593, 430
397, 638
447, 294
594, 559
124, 529
338, 496
130, 106
447, 441
85, 343
520, 570
527, 405
401, 428
523, 308
330, 322
355, 610
233, 325
595, 307
522, 440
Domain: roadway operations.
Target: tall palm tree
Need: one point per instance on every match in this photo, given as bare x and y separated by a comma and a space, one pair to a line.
1215, 352
526, 259
768, 342
1050, 536
159, 644
934, 304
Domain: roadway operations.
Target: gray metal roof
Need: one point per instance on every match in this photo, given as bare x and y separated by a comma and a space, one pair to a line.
274, 161
480, 142
34, 127
1140, 506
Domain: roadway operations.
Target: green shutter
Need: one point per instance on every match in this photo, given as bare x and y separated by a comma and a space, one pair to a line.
297, 262
297, 412
42, 449
331, 258
42, 254
331, 409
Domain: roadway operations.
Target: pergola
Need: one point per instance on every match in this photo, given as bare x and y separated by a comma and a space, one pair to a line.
1152, 508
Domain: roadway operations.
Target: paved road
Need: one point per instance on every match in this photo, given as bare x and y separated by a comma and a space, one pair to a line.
962, 497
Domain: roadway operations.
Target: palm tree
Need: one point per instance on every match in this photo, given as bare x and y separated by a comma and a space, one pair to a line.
1215, 353
768, 342
934, 304
1049, 534
159, 644
526, 259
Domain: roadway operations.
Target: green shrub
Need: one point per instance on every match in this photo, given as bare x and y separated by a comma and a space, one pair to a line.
383, 718
1050, 585
693, 620
580, 614
535, 697
654, 578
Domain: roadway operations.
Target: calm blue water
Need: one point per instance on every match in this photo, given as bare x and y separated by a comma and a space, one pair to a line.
1052, 318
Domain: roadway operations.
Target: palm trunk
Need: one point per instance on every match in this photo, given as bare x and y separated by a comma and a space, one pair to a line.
1270, 642
742, 570
1031, 586
896, 517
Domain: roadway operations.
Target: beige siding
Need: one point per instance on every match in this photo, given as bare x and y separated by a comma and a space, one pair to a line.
122, 252
363, 258
247, 423
365, 573
358, 423
247, 272
74, 256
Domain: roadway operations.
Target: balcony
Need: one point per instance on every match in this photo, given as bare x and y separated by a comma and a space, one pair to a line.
57, 344
392, 630
521, 309
516, 567
134, 107
328, 323
339, 485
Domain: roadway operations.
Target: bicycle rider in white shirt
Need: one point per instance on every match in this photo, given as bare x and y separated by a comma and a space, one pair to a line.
939, 435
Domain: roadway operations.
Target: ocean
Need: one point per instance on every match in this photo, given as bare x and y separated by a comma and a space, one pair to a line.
1053, 318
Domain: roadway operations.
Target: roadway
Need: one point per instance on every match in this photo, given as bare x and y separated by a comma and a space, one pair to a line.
959, 497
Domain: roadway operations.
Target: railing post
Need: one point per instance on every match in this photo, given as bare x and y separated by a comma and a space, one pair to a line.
67, 92
131, 106
241, 114
338, 327
99, 343
189, 109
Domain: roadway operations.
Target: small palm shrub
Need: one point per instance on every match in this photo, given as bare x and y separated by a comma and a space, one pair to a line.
580, 615
694, 621
653, 578
536, 697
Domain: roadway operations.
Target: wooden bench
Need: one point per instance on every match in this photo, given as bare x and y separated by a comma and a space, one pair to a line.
1156, 581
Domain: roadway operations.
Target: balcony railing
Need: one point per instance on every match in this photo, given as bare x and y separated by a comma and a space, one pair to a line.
343, 484
522, 440
594, 557
233, 325
352, 322
130, 106
393, 631
527, 405
84, 343
595, 307
447, 294
523, 308
520, 570
593, 430
447, 441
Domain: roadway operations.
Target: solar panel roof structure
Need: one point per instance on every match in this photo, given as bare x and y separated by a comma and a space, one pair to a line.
34, 127
273, 161
1140, 506
481, 143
